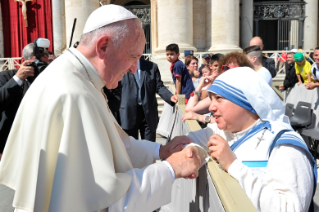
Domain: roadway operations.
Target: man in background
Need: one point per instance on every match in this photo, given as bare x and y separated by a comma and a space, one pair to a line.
138, 111
291, 77
268, 63
254, 55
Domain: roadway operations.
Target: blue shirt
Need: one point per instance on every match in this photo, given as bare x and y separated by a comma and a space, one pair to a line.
180, 70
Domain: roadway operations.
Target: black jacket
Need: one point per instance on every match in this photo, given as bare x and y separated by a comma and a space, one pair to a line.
270, 65
151, 84
114, 100
11, 95
291, 77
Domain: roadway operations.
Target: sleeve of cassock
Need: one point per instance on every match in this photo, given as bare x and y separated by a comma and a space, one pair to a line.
150, 189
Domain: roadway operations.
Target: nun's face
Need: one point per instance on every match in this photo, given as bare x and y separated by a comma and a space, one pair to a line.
229, 116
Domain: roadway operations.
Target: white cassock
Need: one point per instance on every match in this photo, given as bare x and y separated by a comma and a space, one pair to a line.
67, 153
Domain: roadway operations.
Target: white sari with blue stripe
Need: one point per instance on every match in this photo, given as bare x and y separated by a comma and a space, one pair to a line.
273, 163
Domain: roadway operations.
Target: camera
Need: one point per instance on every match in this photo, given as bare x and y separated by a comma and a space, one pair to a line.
38, 51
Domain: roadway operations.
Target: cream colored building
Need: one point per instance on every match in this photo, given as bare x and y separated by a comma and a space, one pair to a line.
201, 25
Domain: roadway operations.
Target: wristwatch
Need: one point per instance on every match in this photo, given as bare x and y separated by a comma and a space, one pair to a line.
207, 119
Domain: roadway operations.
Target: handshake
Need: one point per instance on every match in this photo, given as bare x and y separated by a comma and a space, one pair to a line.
184, 161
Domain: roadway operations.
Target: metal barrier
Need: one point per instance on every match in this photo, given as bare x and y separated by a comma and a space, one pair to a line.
9, 63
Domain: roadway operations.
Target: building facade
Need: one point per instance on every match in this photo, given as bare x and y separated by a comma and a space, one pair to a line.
199, 25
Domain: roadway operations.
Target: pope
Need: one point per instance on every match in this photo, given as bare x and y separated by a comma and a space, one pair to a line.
66, 152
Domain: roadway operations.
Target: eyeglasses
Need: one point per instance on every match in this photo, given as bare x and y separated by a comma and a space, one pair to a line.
226, 67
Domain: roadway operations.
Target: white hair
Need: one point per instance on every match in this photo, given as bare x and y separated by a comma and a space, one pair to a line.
118, 31
27, 51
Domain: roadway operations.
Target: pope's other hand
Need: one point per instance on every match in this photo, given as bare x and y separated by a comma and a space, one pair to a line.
175, 145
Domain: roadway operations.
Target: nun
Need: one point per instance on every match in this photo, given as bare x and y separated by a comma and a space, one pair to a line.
253, 141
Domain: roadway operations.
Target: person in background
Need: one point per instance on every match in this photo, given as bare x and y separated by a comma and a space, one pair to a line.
181, 77
303, 69
205, 61
191, 63
314, 71
51, 57
291, 77
268, 63
138, 110
254, 54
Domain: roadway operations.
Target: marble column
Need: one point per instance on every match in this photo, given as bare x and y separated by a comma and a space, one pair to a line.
224, 26
310, 25
246, 22
154, 31
58, 21
1, 34
199, 25
175, 24
79, 9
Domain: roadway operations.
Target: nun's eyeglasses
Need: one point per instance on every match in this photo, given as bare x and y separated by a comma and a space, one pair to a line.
226, 67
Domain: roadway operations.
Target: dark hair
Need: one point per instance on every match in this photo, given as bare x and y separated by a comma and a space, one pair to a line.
215, 57
50, 53
238, 57
293, 53
206, 66
189, 58
173, 47
317, 48
252, 49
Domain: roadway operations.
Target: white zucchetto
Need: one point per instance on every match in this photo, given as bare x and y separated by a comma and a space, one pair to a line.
106, 15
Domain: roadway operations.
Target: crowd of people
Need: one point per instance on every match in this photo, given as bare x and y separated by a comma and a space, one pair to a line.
70, 137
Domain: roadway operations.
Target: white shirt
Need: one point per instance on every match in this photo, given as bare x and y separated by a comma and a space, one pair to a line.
316, 76
265, 74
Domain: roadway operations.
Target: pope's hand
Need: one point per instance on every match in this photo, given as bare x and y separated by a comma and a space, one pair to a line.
185, 163
220, 151
175, 145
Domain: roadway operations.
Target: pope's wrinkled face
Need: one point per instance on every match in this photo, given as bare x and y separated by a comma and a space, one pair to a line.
229, 116
123, 58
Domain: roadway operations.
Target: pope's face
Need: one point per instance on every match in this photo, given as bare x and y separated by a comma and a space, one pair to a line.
124, 58
229, 116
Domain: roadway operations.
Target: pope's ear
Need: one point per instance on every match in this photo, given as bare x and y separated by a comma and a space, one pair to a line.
102, 45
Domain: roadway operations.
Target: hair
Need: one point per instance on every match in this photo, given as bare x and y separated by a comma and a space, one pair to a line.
50, 53
254, 51
238, 57
173, 47
27, 51
317, 48
206, 66
293, 53
215, 57
119, 31
189, 59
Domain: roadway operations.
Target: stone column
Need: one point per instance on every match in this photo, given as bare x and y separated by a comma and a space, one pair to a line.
1, 35
79, 9
246, 22
154, 31
58, 19
175, 24
310, 25
199, 25
224, 26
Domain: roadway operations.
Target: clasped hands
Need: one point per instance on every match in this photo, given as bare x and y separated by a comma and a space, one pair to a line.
186, 162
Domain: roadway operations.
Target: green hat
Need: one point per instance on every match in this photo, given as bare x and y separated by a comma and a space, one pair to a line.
298, 56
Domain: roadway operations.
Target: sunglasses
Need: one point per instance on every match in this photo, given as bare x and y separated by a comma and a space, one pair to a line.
226, 67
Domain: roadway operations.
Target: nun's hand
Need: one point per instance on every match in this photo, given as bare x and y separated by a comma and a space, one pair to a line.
220, 151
